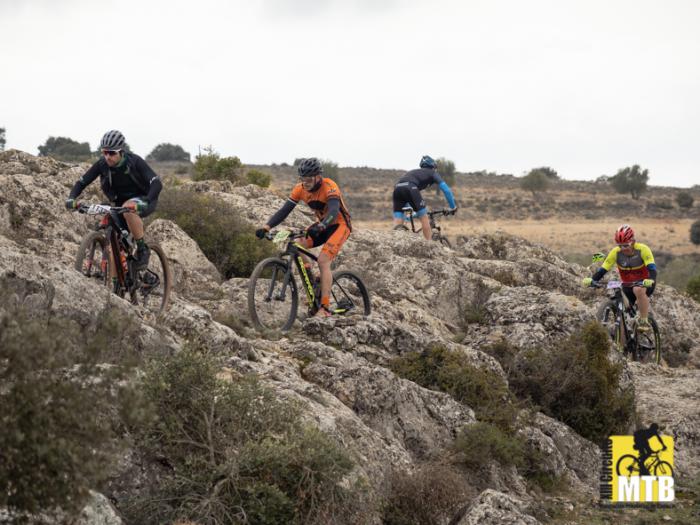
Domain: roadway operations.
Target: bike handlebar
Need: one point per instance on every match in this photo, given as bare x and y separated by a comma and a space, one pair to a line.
598, 284
100, 209
293, 234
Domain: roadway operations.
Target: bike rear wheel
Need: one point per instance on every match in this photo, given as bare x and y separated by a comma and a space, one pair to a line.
649, 344
627, 465
272, 296
92, 259
349, 296
154, 282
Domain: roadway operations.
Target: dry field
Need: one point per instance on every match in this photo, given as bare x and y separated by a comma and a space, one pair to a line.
573, 237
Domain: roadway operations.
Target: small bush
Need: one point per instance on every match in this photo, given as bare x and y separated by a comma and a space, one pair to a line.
472, 310
481, 442
483, 391
210, 165
226, 240
693, 288
576, 383
695, 232
684, 200
259, 178
58, 399
431, 495
236, 452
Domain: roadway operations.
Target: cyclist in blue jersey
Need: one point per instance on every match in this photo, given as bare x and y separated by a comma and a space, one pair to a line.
407, 192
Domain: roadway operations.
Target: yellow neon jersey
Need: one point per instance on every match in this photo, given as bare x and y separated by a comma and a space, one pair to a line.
631, 267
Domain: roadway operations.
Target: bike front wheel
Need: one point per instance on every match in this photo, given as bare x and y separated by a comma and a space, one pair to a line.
442, 239
649, 344
154, 283
607, 315
272, 296
92, 259
349, 295
663, 468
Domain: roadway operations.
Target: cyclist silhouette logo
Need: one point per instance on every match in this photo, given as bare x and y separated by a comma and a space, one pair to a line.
638, 469
641, 444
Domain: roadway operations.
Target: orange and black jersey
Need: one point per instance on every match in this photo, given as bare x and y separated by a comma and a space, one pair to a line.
324, 201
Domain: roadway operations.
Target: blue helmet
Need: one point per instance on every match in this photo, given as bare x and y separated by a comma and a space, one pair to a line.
428, 162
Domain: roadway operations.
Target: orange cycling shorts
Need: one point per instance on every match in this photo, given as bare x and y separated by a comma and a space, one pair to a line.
332, 239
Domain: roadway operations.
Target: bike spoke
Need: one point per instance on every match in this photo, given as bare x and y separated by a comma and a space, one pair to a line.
272, 297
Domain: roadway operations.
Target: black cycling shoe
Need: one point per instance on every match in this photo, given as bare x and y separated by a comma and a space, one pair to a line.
143, 254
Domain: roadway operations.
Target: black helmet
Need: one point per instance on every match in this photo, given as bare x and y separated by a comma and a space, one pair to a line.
428, 162
310, 167
113, 139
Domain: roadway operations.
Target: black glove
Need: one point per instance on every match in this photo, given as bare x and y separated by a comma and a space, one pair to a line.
315, 229
71, 204
260, 233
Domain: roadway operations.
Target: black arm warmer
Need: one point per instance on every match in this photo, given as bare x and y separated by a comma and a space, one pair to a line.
598, 275
154, 183
333, 211
652, 273
282, 213
83, 182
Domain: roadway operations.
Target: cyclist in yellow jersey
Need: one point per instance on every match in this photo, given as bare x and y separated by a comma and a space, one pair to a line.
635, 263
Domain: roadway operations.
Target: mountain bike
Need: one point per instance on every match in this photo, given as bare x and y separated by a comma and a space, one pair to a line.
620, 319
273, 296
628, 465
149, 287
409, 215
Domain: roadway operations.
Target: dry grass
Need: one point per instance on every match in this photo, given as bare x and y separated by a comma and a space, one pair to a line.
578, 236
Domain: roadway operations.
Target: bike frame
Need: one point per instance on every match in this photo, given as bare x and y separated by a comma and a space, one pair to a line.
621, 325
409, 213
294, 252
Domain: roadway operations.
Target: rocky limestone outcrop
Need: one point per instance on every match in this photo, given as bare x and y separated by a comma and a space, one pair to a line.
338, 370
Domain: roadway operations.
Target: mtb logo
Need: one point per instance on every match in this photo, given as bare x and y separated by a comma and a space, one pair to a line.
638, 469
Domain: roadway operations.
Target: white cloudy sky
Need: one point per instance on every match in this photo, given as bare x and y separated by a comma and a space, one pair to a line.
584, 86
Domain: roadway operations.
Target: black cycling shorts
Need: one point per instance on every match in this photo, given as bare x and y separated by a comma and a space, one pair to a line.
629, 293
145, 213
407, 193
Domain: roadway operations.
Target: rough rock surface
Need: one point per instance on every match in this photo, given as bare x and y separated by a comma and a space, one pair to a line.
420, 291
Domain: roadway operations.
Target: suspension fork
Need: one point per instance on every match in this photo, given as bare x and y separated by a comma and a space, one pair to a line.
115, 255
306, 279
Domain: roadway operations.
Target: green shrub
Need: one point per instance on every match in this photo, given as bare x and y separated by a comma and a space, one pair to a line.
576, 383
226, 240
695, 232
430, 495
481, 442
237, 453
684, 199
259, 178
210, 165
59, 404
693, 288
484, 391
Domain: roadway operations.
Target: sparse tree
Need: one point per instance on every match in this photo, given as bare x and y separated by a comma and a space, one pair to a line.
695, 232
535, 181
632, 180
684, 199
548, 172
2, 139
446, 169
168, 152
66, 149
331, 170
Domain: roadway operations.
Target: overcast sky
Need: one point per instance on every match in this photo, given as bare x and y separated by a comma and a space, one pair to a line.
584, 86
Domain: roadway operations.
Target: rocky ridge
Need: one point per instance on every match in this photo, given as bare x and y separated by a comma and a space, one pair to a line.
531, 298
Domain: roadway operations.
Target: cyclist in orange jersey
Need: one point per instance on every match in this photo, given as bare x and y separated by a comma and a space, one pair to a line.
333, 224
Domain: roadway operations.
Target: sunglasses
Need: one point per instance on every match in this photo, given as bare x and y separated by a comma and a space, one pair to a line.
626, 245
110, 153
